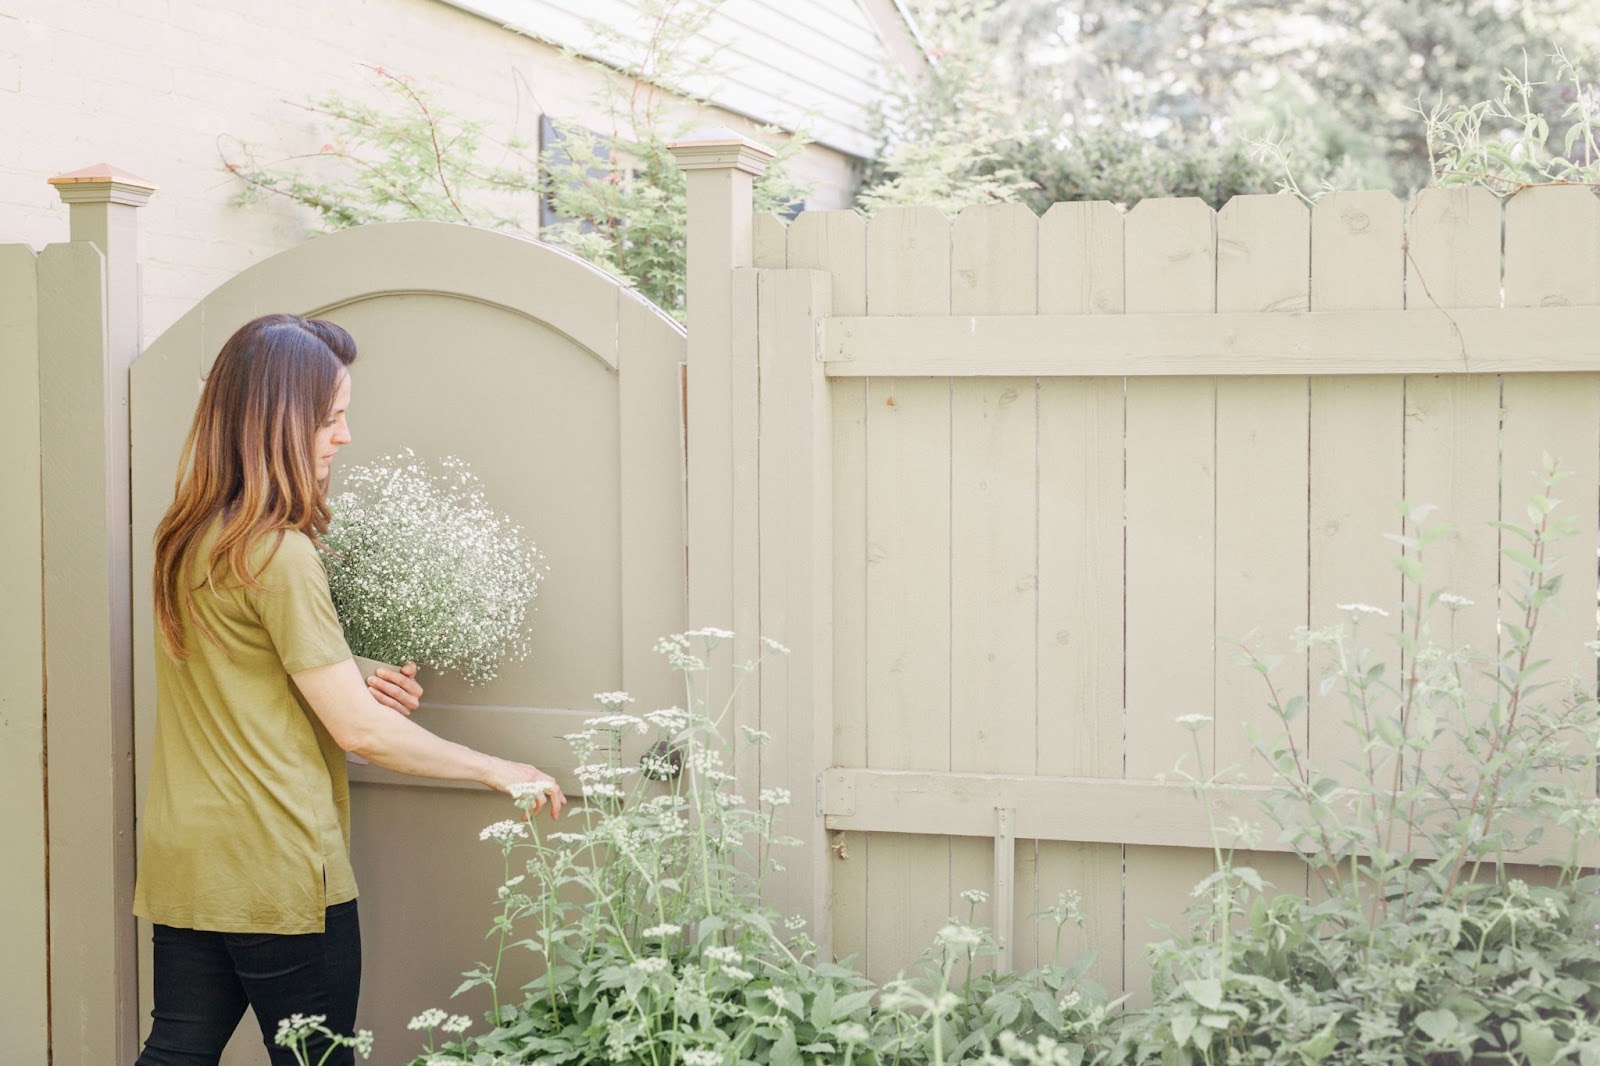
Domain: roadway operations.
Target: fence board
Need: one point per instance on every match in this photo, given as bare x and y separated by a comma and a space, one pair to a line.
1171, 554
993, 549
1080, 584
1355, 453
769, 242
1080, 259
24, 1003
850, 461
1552, 259
834, 241
1452, 434
1263, 265
908, 586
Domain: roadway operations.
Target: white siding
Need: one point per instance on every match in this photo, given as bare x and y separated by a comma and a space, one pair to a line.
812, 64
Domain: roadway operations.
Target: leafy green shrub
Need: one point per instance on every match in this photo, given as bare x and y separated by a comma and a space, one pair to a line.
1427, 947
657, 948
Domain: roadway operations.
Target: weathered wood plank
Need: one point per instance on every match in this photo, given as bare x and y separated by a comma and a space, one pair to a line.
1263, 265
908, 586
1142, 813
1452, 440
1171, 555
769, 242
993, 550
1552, 259
835, 242
1356, 440
1081, 576
1367, 342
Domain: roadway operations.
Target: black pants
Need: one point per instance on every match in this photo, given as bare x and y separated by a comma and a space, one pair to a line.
204, 980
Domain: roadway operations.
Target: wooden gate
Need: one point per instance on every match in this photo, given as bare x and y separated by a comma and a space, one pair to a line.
561, 390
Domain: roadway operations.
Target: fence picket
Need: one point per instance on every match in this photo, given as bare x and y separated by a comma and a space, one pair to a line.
1452, 431
1081, 572
1355, 457
1171, 554
993, 551
1552, 259
768, 242
908, 586
1263, 264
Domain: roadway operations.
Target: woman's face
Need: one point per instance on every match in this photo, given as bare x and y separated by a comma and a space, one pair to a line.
334, 433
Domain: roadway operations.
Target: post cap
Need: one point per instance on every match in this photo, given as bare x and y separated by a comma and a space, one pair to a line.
721, 149
103, 183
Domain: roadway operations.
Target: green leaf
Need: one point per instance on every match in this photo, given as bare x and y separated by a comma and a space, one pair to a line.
822, 1007
1183, 1027
1440, 1025
1206, 991
1320, 1046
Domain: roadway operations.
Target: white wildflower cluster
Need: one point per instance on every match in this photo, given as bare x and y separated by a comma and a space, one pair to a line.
852, 1033
776, 997
776, 797
957, 935
422, 569
701, 1056
728, 800
756, 736
504, 832
293, 1031
618, 723
297, 1026
651, 964
1193, 722
773, 646
668, 719
667, 929
711, 633
975, 896
1359, 609
612, 701
794, 923
434, 1018
676, 649
1454, 602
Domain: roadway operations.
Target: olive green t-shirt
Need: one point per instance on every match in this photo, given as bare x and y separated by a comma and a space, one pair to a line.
247, 825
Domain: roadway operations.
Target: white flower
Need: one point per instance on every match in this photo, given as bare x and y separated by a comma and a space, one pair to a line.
738, 974
618, 722
431, 1018
776, 997
726, 800
569, 838
700, 1056
711, 633
603, 789
1193, 721
670, 719
612, 700
653, 964
1363, 608
726, 956
975, 895
755, 736
1451, 600
505, 832
776, 797
852, 1033
956, 935
662, 930
774, 646
794, 921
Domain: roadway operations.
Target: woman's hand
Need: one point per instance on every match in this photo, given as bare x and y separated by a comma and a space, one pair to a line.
505, 776
396, 689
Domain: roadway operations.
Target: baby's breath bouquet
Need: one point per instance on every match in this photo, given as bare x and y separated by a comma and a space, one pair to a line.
422, 569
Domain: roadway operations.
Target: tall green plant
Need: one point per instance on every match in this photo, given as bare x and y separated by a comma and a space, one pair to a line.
1427, 945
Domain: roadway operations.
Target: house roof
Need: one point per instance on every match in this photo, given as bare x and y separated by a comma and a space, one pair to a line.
812, 64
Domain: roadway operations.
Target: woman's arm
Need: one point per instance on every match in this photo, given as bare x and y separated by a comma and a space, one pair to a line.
359, 724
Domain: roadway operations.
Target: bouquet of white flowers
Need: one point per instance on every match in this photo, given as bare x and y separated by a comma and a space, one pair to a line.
421, 569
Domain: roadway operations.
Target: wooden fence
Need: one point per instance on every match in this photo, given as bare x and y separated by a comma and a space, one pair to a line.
1070, 460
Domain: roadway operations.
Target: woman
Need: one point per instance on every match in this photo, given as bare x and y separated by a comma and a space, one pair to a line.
245, 870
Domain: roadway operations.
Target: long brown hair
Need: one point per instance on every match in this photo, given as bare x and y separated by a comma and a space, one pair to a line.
248, 458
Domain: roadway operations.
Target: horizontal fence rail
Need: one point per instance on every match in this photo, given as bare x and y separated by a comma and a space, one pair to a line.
1462, 341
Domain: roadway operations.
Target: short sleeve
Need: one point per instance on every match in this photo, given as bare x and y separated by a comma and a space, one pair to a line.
295, 607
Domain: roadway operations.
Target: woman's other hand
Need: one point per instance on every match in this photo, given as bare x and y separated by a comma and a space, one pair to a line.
396, 689
506, 775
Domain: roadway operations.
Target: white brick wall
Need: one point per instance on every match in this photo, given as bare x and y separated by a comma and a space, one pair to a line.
150, 86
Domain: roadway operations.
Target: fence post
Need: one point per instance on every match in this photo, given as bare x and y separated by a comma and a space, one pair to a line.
89, 335
796, 506
24, 985
720, 168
